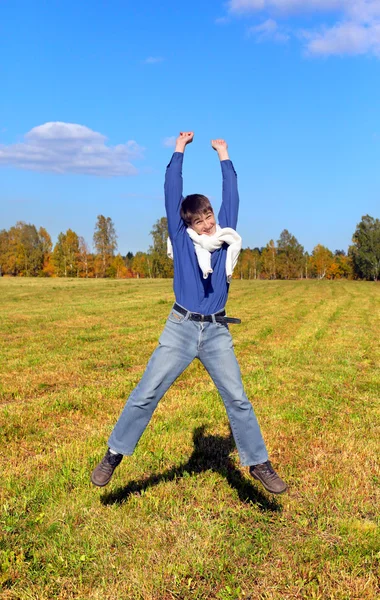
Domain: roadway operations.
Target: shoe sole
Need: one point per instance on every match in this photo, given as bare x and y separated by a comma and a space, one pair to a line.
266, 487
100, 484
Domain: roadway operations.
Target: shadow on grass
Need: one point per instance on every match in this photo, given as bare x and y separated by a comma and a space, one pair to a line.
211, 453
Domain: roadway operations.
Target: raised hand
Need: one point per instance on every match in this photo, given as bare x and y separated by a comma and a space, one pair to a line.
184, 138
221, 147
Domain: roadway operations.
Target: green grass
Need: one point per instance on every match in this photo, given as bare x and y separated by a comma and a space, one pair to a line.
181, 519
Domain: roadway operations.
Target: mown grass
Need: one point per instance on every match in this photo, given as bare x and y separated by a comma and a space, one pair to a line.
181, 519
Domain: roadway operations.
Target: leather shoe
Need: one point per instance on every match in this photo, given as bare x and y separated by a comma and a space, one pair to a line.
102, 474
266, 474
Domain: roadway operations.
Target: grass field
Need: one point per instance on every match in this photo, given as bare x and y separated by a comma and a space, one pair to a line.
181, 519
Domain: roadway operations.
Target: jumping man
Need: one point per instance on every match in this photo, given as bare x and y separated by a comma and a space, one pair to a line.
204, 254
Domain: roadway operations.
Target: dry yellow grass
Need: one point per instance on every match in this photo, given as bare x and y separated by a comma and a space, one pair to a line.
181, 519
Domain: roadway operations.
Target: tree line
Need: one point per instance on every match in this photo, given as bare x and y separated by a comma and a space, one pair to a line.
28, 251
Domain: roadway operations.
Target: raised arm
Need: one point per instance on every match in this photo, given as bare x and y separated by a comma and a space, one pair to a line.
228, 213
174, 184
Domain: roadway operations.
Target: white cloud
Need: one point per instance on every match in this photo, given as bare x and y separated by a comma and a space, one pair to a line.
153, 60
285, 6
70, 148
169, 142
345, 38
269, 30
355, 28
244, 6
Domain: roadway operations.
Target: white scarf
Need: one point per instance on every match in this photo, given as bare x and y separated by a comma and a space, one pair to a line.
205, 244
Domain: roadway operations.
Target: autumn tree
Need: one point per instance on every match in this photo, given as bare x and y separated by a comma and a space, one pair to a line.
128, 260
66, 254
238, 271
256, 263
105, 243
83, 257
117, 268
365, 251
269, 260
12, 255
340, 267
321, 260
346, 268
306, 265
141, 265
46, 248
45, 241
289, 256
162, 265
28, 249
24, 249
4, 242
248, 265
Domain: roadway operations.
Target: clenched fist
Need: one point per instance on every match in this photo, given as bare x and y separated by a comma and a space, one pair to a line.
184, 138
221, 147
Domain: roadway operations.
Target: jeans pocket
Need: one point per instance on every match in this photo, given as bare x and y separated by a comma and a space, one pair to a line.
224, 325
176, 317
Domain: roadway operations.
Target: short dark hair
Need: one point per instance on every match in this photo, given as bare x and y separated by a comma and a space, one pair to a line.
194, 204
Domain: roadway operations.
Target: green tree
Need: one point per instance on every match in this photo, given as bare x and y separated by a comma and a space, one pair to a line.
105, 242
365, 252
161, 264
289, 256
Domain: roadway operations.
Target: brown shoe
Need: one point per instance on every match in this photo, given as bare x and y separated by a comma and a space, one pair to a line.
268, 477
102, 474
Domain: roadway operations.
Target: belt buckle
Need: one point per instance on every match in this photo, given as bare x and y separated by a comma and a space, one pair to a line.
202, 318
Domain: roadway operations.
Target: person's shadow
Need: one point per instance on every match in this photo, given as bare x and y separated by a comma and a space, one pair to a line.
211, 453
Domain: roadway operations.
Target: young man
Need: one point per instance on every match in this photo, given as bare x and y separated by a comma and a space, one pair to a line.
197, 325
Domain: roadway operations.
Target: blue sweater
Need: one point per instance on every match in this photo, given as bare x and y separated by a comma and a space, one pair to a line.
205, 296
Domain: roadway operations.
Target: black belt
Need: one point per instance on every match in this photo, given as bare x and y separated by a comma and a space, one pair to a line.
219, 317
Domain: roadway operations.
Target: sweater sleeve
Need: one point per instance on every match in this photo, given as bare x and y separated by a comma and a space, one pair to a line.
173, 194
228, 213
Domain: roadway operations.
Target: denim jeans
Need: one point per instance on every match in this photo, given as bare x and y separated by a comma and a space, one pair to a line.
181, 341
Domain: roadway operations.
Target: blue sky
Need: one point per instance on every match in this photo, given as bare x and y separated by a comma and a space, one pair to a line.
92, 94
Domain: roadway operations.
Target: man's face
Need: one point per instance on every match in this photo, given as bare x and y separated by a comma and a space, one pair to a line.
204, 223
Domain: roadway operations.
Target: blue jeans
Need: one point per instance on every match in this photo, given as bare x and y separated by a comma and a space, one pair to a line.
181, 341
